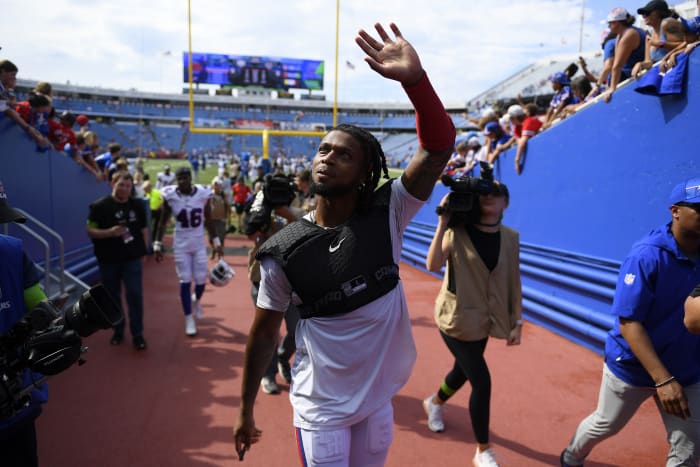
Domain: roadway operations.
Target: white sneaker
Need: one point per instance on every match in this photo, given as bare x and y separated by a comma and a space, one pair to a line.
190, 325
269, 385
196, 307
434, 413
485, 458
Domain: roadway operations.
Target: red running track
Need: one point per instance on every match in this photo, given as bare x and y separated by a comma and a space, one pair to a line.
174, 405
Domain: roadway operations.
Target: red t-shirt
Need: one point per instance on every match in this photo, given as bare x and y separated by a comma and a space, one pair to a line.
60, 135
240, 192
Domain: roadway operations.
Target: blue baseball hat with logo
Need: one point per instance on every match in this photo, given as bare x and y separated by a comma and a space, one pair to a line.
560, 77
686, 192
691, 25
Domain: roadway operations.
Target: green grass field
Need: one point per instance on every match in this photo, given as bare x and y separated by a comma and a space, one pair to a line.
153, 166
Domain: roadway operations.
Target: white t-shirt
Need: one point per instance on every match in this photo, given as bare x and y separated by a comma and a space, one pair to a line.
350, 365
188, 211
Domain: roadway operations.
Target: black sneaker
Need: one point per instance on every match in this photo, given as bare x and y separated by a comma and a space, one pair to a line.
284, 369
139, 343
117, 338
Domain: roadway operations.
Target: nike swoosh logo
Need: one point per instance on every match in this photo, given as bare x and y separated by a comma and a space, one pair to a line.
333, 249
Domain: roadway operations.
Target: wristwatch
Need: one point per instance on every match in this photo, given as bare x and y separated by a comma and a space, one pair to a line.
518, 322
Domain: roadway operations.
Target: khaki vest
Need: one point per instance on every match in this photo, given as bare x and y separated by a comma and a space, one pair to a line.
485, 303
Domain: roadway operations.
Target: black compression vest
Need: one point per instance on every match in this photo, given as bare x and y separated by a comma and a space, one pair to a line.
338, 270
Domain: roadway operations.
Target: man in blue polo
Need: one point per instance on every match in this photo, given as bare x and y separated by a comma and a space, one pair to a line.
650, 352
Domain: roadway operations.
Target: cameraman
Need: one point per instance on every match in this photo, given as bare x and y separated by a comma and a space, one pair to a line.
19, 293
480, 297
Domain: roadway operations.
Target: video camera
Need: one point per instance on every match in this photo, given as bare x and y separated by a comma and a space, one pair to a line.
463, 200
47, 342
277, 191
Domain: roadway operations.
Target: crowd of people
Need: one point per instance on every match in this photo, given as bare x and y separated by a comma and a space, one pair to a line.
628, 52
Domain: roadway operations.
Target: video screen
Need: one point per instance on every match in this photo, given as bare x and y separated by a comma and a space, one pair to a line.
251, 71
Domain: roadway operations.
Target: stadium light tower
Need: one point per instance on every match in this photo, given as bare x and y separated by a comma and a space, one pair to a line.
265, 133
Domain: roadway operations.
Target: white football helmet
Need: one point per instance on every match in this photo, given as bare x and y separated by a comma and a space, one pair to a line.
221, 273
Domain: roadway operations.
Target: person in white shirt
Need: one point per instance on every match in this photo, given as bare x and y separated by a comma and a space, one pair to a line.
190, 205
164, 178
354, 346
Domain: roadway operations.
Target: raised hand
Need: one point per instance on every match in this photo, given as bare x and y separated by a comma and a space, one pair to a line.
394, 59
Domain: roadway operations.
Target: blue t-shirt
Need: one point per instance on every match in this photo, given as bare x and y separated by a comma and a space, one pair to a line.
104, 160
653, 284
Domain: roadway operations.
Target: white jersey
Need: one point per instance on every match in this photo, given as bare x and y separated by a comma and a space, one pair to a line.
348, 366
188, 211
163, 179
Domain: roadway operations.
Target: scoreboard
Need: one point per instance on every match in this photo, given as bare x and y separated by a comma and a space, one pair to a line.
254, 71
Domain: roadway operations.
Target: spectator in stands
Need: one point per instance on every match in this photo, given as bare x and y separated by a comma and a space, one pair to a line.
242, 193
629, 47
35, 111
691, 30
82, 154
494, 136
562, 97
106, 161
480, 297
117, 226
472, 157
83, 122
8, 81
458, 159
583, 92
649, 352
658, 16
61, 132
601, 81
219, 208
42, 87
164, 178
525, 126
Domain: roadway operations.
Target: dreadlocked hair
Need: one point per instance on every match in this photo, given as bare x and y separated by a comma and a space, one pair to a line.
375, 154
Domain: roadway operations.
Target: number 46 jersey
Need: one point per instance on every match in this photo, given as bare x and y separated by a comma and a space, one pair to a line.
189, 216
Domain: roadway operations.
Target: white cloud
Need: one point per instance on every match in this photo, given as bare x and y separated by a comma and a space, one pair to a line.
465, 46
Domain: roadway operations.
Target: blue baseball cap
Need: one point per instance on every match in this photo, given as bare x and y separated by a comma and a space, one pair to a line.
686, 192
560, 77
491, 127
691, 25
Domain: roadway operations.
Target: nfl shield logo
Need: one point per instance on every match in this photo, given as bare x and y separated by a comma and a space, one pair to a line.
629, 279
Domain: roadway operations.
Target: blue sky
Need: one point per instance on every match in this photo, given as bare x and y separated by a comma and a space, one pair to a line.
464, 46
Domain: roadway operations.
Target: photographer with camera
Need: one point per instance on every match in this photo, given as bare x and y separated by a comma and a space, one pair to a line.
480, 295
19, 293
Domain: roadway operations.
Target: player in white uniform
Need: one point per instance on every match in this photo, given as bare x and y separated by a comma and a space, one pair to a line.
165, 178
190, 205
348, 364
